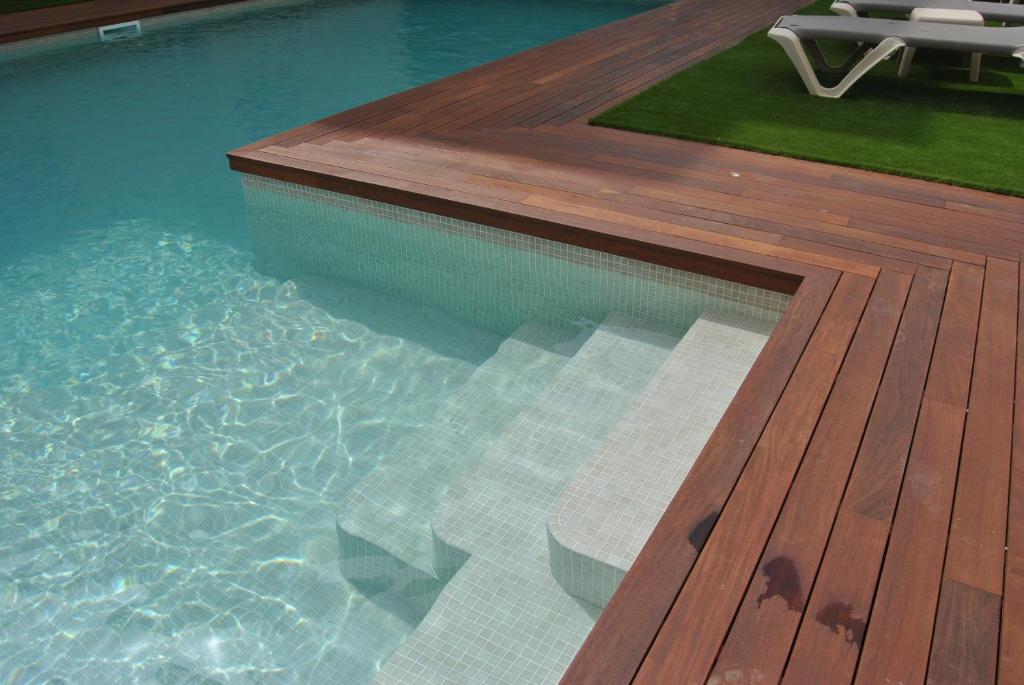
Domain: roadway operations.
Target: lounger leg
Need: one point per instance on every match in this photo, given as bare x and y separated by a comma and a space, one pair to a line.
798, 56
975, 66
905, 60
821, 63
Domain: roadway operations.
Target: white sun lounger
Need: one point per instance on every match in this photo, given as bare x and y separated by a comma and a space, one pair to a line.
799, 35
991, 11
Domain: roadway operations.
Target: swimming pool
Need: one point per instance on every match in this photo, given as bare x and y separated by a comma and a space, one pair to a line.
181, 430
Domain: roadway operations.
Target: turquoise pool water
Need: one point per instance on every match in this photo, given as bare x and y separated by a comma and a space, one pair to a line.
176, 428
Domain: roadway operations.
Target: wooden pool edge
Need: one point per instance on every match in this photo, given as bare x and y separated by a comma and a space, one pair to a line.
758, 271
48, 21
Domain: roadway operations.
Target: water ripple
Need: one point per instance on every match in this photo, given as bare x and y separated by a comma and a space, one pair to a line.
177, 432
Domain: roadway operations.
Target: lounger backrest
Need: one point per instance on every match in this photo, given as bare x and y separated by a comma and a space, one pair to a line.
992, 11
1004, 41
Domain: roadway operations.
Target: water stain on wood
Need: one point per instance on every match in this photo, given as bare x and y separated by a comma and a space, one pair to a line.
839, 617
783, 580
699, 533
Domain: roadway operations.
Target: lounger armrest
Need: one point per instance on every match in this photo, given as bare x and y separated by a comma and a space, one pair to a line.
844, 9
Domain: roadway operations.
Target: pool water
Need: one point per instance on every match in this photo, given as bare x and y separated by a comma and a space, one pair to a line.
177, 428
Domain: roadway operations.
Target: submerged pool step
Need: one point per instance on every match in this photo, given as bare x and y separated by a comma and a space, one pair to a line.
500, 620
505, 499
503, 618
605, 515
384, 527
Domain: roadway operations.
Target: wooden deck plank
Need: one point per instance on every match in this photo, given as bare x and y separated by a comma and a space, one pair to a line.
1011, 643
799, 180
836, 180
764, 188
719, 204
762, 632
870, 184
977, 539
898, 639
904, 263
965, 644
527, 94
689, 641
831, 632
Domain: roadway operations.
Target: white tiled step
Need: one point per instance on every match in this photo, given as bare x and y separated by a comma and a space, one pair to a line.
602, 519
503, 502
384, 527
501, 620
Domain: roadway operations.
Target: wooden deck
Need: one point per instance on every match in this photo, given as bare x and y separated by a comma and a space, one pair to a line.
859, 513
86, 15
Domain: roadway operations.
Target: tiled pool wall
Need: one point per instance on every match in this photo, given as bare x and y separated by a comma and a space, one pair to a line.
57, 41
493, 278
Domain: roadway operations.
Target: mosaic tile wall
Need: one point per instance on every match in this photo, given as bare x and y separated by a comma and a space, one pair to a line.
32, 46
493, 278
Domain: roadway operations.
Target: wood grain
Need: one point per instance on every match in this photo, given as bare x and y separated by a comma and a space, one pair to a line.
966, 642
1011, 642
977, 538
762, 631
828, 642
899, 633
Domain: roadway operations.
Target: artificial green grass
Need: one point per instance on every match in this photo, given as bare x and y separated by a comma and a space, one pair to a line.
934, 124
8, 6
